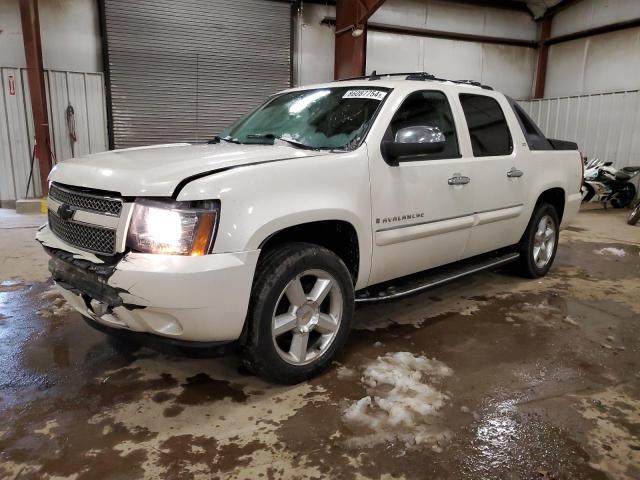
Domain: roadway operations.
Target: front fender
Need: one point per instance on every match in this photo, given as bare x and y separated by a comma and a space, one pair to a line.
258, 201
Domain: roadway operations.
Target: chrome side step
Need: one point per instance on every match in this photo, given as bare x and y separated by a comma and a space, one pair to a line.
429, 279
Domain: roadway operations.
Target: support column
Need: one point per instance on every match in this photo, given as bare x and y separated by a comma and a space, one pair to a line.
351, 36
543, 56
35, 73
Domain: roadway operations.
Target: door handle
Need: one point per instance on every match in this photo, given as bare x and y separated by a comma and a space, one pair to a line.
515, 173
458, 179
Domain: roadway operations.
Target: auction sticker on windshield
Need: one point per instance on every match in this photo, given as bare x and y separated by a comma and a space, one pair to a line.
371, 94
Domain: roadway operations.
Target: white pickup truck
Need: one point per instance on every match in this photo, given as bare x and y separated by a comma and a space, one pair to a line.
265, 237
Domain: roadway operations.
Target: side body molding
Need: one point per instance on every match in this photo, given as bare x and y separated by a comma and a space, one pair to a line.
403, 233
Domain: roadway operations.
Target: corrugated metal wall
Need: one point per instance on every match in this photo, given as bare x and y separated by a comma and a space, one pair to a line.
84, 91
604, 125
508, 69
184, 70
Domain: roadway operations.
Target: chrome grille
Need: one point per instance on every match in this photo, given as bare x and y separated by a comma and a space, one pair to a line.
85, 201
86, 237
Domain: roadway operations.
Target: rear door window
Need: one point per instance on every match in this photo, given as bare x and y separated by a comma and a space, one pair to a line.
490, 135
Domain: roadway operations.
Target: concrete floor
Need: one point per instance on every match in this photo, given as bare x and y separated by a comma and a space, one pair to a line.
539, 379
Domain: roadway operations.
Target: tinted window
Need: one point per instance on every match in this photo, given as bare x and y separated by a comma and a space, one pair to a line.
488, 128
525, 121
535, 138
429, 109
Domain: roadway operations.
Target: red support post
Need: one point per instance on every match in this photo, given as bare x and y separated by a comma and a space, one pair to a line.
35, 73
351, 36
543, 56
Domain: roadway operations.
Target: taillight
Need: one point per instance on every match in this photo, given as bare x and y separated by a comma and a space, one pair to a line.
582, 162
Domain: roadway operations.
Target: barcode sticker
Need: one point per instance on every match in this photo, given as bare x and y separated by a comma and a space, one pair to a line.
371, 94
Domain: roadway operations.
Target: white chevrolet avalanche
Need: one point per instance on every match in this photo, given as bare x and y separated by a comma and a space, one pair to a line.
265, 238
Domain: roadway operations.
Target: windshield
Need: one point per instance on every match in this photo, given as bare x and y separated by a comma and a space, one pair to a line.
326, 118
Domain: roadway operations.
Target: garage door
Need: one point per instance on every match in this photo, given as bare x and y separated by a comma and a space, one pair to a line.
181, 71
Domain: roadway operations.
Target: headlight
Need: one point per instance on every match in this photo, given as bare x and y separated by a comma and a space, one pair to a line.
178, 228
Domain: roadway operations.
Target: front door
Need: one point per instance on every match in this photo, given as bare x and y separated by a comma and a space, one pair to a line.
422, 209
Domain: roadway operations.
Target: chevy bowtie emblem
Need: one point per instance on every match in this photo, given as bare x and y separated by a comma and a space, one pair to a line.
65, 211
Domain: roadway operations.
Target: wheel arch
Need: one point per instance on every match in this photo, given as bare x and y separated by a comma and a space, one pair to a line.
337, 235
555, 196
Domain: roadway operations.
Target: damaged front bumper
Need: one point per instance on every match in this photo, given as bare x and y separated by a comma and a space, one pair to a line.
193, 299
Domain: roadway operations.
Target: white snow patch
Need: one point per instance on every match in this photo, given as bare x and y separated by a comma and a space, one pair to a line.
50, 294
570, 321
618, 252
59, 306
378, 344
401, 405
345, 373
543, 306
48, 428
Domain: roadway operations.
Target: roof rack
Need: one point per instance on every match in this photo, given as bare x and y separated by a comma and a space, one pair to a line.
472, 82
420, 76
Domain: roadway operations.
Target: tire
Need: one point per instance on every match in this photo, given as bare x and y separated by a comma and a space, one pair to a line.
634, 216
536, 259
298, 271
625, 196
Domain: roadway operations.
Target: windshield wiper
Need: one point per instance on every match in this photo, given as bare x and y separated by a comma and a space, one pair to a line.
228, 138
271, 136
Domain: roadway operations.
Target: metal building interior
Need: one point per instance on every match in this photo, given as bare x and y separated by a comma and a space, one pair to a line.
538, 379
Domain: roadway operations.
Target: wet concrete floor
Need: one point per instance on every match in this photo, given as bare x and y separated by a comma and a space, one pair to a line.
529, 380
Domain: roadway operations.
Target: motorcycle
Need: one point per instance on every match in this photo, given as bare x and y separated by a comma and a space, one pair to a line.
606, 184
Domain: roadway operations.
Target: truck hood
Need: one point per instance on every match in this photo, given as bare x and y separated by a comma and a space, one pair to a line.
156, 171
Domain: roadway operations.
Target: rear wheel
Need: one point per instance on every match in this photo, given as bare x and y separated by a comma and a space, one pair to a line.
624, 196
540, 242
300, 312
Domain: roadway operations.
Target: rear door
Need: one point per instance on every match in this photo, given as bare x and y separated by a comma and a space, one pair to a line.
498, 172
419, 219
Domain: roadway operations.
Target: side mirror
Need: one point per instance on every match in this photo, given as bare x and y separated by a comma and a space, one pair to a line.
413, 141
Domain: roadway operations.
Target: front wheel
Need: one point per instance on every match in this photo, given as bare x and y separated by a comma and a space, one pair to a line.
634, 216
300, 312
540, 242
587, 193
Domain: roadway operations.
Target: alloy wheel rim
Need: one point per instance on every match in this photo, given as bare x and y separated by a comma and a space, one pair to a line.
544, 242
307, 317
